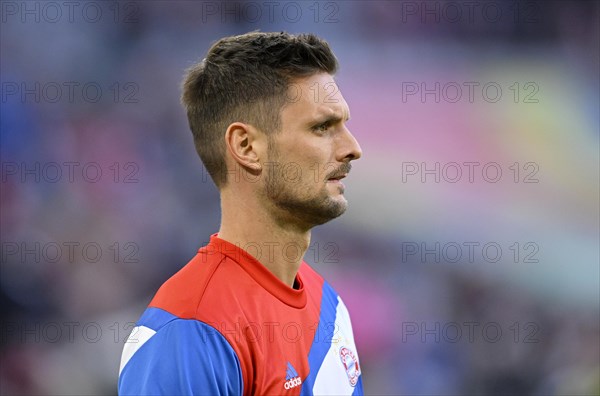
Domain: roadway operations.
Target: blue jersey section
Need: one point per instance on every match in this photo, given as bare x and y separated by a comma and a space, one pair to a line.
184, 357
323, 336
322, 341
358, 390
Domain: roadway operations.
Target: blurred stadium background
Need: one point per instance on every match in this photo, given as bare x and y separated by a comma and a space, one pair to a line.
488, 285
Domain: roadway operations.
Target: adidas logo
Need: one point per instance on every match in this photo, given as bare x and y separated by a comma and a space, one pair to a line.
292, 379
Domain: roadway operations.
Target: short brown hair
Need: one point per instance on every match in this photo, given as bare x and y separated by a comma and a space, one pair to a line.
246, 78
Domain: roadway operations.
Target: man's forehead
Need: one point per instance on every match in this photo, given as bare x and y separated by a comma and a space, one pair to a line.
338, 110
316, 98
322, 93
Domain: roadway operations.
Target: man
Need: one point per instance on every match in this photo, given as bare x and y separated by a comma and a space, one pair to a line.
247, 315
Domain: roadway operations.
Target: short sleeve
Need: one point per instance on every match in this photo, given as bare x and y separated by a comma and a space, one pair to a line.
165, 355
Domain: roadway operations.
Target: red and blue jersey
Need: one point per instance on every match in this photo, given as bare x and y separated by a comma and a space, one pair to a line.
224, 324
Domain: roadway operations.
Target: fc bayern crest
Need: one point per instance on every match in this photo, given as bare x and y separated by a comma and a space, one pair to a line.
350, 363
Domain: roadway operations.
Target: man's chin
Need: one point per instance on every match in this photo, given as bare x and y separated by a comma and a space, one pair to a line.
314, 215
336, 207
336, 185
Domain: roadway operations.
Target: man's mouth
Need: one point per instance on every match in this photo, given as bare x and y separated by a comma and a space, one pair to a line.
337, 178
340, 173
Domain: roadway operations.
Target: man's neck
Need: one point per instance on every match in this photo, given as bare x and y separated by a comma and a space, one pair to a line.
281, 247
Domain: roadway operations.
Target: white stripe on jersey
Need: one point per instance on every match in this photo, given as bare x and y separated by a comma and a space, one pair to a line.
332, 378
138, 337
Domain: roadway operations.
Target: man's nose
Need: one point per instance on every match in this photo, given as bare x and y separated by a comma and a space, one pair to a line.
350, 149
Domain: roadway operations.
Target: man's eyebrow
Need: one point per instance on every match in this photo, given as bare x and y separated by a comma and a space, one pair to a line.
334, 118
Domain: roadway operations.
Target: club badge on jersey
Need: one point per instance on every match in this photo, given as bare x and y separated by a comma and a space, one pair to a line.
350, 363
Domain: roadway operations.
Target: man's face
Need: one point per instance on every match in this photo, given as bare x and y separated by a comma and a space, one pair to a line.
310, 154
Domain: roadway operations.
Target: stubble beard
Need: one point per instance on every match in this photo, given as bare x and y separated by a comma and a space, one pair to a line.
296, 203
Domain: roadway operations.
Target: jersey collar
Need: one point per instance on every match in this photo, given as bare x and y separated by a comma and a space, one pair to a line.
293, 297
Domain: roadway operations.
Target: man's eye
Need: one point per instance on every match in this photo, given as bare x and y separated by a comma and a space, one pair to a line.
322, 127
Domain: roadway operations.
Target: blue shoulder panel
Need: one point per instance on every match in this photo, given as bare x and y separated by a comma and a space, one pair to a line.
183, 357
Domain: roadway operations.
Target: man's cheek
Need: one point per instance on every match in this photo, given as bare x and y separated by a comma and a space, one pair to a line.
292, 173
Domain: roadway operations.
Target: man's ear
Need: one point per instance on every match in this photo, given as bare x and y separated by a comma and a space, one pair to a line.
245, 144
